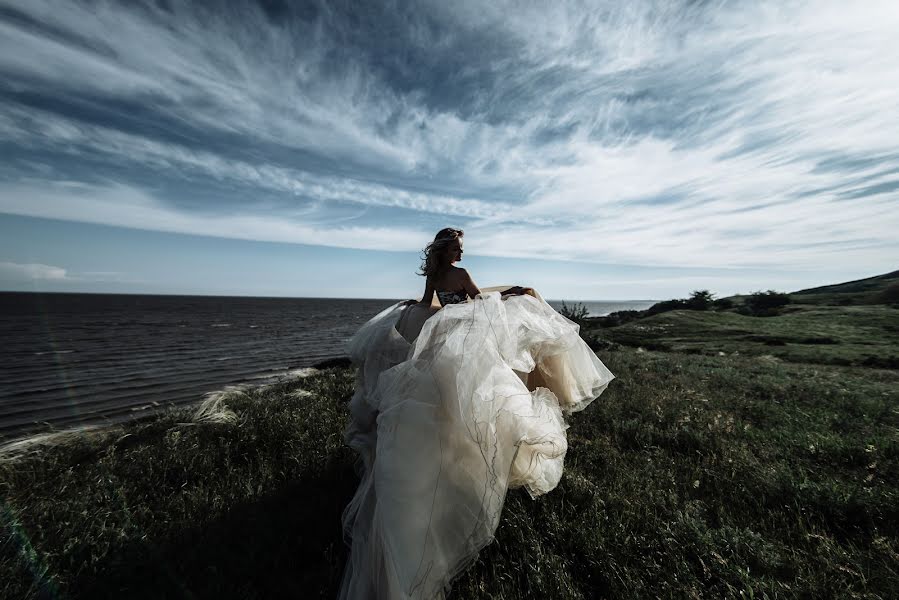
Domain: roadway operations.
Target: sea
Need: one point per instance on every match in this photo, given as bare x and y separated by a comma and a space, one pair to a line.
70, 360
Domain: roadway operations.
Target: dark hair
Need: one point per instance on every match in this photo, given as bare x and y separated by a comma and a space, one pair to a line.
430, 261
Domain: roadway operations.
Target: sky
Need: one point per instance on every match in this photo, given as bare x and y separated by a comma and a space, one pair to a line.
594, 150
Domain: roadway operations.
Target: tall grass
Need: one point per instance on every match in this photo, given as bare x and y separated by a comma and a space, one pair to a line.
692, 476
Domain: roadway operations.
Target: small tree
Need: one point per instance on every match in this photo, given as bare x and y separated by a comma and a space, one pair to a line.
700, 300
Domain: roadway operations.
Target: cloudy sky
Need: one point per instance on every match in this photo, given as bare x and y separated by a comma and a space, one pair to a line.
595, 150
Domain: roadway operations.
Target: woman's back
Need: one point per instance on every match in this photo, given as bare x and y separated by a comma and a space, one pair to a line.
452, 279
450, 286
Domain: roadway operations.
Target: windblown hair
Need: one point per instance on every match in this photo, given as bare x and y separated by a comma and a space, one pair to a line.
431, 264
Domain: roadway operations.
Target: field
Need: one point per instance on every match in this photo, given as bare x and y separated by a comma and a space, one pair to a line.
733, 456
834, 335
691, 476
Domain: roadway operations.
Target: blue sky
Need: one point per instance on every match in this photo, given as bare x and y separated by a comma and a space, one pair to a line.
594, 150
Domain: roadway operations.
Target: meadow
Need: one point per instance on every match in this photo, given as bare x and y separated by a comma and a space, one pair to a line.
717, 464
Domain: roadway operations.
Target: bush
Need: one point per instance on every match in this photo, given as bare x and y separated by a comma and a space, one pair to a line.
700, 300
890, 295
723, 303
576, 312
620, 318
882, 362
766, 304
594, 342
666, 305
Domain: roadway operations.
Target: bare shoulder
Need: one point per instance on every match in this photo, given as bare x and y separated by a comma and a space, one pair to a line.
459, 275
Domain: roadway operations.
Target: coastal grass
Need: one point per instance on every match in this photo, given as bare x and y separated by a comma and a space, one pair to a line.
692, 476
880, 289
172, 508
836, 335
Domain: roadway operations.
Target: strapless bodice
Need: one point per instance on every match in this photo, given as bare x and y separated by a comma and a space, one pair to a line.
451, 297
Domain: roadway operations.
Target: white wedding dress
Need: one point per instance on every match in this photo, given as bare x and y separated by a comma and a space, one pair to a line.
445, 420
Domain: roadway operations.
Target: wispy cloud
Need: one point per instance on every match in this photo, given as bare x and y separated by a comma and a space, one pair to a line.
10, 271
13, 272
648, 133
129, 207
33, 128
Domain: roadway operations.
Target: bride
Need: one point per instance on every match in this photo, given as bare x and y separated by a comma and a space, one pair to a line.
455, 403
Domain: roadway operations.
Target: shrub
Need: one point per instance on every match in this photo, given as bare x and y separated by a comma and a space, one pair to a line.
576, 312
766, 304
666, 305
620, 318
594, 342
882, 362
890, 295
723, 303
700, 300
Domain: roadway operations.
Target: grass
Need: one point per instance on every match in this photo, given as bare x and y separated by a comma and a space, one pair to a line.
170, 508
692, 476
838, 335
871, 290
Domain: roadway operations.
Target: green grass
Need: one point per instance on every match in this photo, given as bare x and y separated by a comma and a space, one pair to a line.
692, 476
174, 509
840, 335
870, 290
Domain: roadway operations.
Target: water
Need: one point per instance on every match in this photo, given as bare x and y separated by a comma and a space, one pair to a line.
84, 358
70, 359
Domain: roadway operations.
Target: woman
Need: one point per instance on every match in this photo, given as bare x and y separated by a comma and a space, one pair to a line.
451, 283
454, 404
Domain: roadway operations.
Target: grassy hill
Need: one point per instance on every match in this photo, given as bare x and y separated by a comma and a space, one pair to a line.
836, 335
862, 291
692, 476
852, 323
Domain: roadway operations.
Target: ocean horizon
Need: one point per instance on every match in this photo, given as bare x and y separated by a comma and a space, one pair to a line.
265, 297
86, 358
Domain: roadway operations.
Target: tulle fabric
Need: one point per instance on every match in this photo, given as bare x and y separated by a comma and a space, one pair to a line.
453, 407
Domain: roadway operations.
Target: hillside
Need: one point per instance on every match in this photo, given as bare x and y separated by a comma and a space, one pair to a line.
691, 477
852, 323
861, 291
836, 335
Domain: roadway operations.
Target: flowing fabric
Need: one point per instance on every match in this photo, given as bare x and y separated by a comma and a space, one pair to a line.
453, 407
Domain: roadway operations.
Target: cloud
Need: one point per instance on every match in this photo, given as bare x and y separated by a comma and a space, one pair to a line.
33, 272
24, 127
128, 207
652, 132
10, 271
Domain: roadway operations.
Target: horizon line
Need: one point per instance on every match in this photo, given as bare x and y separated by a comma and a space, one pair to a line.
176, 295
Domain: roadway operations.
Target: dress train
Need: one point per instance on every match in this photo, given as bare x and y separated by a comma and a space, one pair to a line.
451, 409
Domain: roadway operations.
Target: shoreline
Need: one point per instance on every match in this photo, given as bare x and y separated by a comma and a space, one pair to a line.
13, 447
